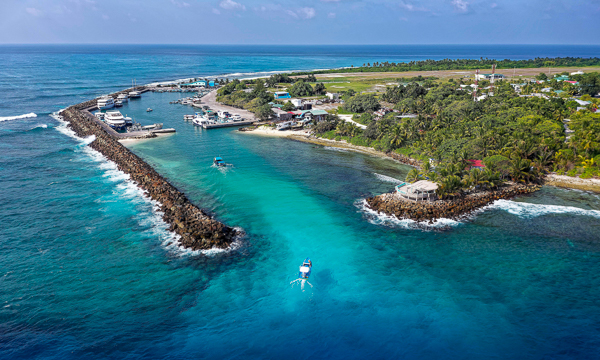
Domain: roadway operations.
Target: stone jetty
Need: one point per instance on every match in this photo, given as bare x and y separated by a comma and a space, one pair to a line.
428, 211
198, 230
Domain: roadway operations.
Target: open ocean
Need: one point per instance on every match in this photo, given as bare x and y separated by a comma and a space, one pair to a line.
86, 269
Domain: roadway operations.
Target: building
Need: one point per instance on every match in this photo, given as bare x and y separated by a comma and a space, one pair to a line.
282, 115
296, 102
282, 95
489, 76
475, 164
577, 73
318, 114
211, 83
333, 96
572, 82
422, 190
582, 102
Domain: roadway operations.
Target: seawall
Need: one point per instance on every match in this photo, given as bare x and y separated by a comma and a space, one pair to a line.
197, 229
392, 204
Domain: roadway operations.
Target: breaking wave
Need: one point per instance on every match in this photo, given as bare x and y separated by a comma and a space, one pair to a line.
388, 179
382, 219
24, 116
528, 210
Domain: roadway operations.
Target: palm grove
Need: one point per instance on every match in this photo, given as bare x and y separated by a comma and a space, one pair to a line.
518, 138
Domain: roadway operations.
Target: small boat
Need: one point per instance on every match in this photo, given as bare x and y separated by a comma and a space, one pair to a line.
118, 103
148, 109
284, 126
123, 98
128, 121
305, 269
134, 94
304, 273
218, 161
236, 117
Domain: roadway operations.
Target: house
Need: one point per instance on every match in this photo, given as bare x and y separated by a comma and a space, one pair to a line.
422, 190
572, 82
561, 78
282, 115
582, 102
333, 96
296, 102
475, 164
548, 89
318, 114
382, 112
489, 76
282, 95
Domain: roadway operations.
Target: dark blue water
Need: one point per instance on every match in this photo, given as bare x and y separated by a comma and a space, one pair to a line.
87, 269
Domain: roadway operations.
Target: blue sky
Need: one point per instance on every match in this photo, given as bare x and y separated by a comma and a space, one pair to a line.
301, 22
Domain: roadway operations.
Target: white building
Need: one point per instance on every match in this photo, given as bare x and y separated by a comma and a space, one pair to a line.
296, 102
489, 76
333, 96
577, 73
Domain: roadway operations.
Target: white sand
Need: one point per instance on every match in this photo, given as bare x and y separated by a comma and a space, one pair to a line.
266, 130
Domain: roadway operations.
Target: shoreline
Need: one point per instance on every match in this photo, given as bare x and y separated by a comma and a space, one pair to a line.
568, 182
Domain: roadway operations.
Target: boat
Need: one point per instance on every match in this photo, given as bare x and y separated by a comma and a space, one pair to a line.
284, 125
123, 98
114, 119
99, 115
118, 103
236, 117
223, 114
189, 117
305, 269
148, 109
105, 103
128, 121
218, 161
134, 94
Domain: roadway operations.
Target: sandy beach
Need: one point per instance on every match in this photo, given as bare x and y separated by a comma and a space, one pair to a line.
269, 131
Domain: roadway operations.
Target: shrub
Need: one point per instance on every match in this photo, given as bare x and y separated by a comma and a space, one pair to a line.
572, 173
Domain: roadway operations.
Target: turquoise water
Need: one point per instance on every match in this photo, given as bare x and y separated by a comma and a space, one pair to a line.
88, 270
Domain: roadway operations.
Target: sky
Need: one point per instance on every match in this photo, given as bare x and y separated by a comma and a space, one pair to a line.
300, 22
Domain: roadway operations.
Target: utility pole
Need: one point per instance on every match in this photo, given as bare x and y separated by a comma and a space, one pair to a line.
493, 78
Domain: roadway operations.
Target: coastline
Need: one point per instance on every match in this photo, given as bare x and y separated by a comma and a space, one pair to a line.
568, 182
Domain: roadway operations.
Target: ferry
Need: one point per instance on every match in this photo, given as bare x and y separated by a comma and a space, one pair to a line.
114, 119
105, 103
218, 161
123, 98
128, 121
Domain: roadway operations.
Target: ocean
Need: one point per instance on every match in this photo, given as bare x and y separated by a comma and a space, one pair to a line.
89, 270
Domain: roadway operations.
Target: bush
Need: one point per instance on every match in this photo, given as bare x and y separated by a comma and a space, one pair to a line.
362, 103
572, 173
300, 88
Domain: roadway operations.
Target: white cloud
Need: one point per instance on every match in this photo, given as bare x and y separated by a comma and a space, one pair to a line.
216, 11
460, 5
307, 13
331, 15
33, 11
182, 4
231, 5
291, 13
411, 7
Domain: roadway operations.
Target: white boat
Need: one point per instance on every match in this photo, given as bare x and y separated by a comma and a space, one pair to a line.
118, 103
105, 103
128, 121
284, 125
236, 117
114, 119
223, 114
148, 109
123, 98
134, 94
99, 115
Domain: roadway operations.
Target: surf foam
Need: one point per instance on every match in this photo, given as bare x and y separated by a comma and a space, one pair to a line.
388, 178
24, 116
528, 210
382, 219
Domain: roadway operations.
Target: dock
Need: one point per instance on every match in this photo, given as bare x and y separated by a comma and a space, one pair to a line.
229, 124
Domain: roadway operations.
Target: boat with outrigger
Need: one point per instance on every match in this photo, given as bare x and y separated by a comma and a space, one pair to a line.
304, 273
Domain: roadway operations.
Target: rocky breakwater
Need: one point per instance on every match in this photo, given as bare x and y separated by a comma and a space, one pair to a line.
197, 229
425, 211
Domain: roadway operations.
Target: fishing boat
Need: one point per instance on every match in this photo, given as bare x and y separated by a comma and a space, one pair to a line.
284, 126
218, 161
148, 109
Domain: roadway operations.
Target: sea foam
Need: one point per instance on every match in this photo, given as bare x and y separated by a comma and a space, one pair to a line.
388, 178
377, 218
528, 210
24, 116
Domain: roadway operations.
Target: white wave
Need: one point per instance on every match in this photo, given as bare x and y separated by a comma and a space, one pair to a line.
388, 178
377, 218
41, 126
24, 116
528, 210
236, 244
333, 148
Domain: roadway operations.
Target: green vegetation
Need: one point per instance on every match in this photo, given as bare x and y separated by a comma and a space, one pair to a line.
462, 64
517, 138
256, 101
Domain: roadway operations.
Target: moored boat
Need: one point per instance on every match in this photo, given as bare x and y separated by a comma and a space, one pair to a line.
114, 119
105, 103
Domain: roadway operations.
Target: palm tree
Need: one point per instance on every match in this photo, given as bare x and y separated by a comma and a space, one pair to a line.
413, 175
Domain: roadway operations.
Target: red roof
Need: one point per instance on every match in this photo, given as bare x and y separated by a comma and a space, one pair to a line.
476, 163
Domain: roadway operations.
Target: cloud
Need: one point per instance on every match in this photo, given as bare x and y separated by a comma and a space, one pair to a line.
231, 5
307, 12
460, 5
33, 11
182, 4
411, 7
331, 15
216, 11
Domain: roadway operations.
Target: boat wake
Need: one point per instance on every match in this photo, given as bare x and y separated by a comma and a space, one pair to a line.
528, 210
150, 215
24, 116
382, 219
388, 178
